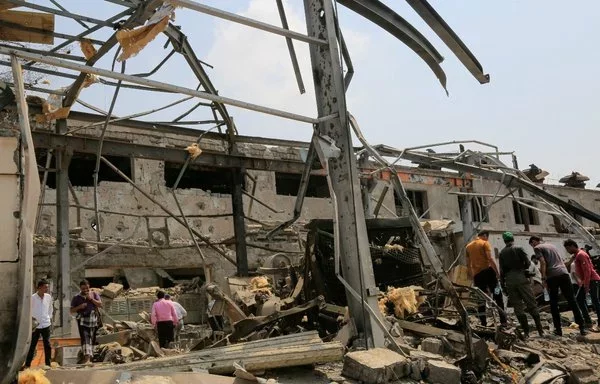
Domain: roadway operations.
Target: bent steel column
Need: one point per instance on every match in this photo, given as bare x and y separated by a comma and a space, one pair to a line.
356, 264
63, 249
239, 225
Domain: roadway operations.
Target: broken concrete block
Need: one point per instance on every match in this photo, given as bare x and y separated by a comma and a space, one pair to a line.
127, 354
441, 372
582, 374
417, 369
507, 356
396, 331
112, 290
155, 350
138, 353
416, 354
66, 356
375, 366
123, 338
432, 345
346, 333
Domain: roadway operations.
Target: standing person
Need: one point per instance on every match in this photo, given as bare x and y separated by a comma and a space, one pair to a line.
556, 277
482, 267
85, 305
181, 313
164, 319
582, 305
41, 311
587, 278
514, 266
537, 285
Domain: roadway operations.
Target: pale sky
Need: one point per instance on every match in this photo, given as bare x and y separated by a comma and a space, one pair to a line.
541, 56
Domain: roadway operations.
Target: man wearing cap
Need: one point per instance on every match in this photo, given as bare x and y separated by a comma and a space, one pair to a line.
556, 277
482, 267
514, 265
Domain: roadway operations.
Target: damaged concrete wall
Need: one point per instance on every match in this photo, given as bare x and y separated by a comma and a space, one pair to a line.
10, 195
158, 230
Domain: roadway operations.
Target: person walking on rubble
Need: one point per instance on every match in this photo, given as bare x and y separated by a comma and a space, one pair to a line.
41, 311
85, 305
181, 314
587, 279
164, 319
556, 277
514, 271
482, 267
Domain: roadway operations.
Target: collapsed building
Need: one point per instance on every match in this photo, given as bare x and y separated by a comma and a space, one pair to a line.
142, 246
146, 204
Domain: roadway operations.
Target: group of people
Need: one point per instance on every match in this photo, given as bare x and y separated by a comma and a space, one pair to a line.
167, 318
515, 275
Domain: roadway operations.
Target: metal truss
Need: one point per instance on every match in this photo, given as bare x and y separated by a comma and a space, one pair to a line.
331, 143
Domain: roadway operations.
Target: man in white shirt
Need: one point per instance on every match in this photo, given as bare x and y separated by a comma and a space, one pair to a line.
181, 313
41, 311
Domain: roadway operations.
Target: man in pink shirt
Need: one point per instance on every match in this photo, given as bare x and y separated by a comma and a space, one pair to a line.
587, 277
164, 319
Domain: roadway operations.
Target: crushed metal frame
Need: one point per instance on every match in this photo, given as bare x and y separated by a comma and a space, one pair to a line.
331, 139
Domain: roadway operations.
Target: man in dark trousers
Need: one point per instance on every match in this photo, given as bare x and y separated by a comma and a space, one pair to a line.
164, 319
41, 311
514, 265
588, 280
86, 305
556, 277
482, 267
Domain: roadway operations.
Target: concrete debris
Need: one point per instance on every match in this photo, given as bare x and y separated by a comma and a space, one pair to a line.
440, 372
112, 290
432, 345
375, 366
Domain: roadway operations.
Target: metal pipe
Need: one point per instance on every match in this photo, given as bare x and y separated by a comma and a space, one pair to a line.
99, 151
380, 200
290, 45
161, 85
167, 211
116, 119
43, 191
261, 202
245, 21
310, 157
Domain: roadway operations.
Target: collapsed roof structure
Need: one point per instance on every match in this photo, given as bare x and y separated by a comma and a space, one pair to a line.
330, 150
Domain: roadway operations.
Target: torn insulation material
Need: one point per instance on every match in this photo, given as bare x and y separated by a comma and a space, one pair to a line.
87, 48
134, 40
404, 301
194, 150
52, 108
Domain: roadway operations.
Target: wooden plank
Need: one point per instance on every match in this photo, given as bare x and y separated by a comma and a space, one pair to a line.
427, 330
304, 338
4, 5
292, 357
42, 21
